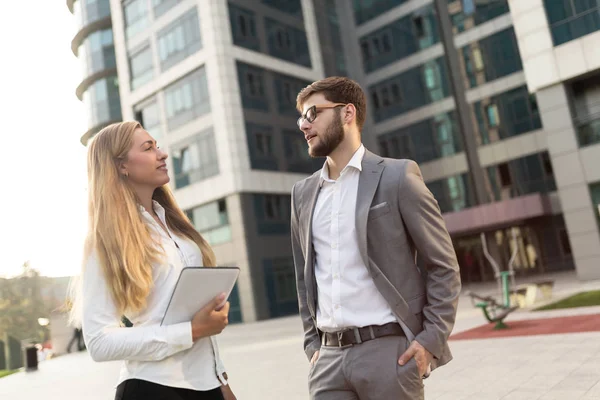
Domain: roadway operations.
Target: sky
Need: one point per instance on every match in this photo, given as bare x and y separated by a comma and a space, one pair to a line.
43, 217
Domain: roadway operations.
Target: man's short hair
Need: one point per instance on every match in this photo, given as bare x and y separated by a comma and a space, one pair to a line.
337, 89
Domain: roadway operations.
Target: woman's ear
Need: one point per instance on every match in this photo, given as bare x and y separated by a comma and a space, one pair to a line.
123, 168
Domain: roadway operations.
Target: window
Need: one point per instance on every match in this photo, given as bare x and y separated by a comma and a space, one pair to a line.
287, 43
475, 13
423, 141
187, 99
452, 193
565, 243
103, 102
595, 192
149, 117
273, 208
97, 52
292, 7
212, 221
251, 80
419, 26
136, 16
162, 6
547, 164
492, 115
492, 57
261, 143
409, 90
140, 65
243, 27
195, 159
296, 153
179, 40
504, 172
572, 19
365, 10
400, 39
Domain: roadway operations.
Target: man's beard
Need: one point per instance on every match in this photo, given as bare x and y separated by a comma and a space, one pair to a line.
329, 141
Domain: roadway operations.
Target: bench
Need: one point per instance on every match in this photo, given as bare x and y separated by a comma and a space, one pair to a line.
527, 294
492, 311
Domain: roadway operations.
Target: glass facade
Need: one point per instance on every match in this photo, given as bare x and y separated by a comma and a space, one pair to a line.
595, 192
292, 7
162, 6
453, 193
149, 116
187, 99
97, 52
466, 14
141, 69
195, 159
506, 114
272, 212
252, 86
296, 153
585, 97
137, 16
287, 88
89, 11
212, 221
423, 141
243, 27
103, 102
409, 90
491, 58
365, 10
399, 39
261, 143
572, 19
520, 177
179, 40
287, 43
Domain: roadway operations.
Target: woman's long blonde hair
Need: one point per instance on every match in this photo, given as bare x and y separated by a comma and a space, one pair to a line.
117, 232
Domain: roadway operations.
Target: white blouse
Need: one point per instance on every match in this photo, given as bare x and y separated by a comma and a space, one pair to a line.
161, 354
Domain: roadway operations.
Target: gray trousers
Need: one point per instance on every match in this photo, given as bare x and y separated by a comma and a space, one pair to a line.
368, 371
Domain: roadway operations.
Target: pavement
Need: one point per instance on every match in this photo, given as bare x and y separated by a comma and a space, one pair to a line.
265, 361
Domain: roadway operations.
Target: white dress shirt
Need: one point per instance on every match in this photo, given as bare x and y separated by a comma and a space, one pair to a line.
161, 354
346, 293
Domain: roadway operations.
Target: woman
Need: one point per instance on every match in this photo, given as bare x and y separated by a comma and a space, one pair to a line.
138, 242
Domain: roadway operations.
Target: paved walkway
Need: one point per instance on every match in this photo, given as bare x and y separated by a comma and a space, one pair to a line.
265, 361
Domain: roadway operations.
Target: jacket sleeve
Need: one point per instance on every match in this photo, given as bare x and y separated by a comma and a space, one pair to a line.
424, 222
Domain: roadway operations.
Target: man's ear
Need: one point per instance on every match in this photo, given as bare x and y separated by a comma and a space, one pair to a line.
349, 114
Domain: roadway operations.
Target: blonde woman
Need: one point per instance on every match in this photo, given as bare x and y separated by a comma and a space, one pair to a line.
138, 242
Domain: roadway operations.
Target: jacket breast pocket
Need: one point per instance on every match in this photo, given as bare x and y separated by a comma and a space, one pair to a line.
379, 210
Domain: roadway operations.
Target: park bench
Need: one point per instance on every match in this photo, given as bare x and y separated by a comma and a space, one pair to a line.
492, 310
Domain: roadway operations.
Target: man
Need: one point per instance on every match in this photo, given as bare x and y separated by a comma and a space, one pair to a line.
374, 323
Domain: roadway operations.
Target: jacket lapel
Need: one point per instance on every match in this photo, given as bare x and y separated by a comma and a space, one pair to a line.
368, 181
309, 264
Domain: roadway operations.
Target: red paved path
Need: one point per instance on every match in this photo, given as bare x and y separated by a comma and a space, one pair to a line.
545, 326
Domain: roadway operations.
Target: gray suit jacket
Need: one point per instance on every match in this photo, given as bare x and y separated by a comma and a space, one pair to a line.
396, 216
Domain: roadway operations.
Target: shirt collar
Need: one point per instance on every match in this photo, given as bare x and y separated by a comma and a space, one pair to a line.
158, 209
355, 162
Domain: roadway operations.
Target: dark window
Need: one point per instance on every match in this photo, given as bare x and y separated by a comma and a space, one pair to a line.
547, 164
572, 19
565, 243
399, 39
287, 42
474, 13
243, 27
365, 10
251, 81
505, 179
262, 147
195, 159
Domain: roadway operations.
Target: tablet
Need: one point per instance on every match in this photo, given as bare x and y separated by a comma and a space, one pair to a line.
195, 288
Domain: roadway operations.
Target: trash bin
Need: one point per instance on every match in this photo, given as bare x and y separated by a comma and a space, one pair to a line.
31, 359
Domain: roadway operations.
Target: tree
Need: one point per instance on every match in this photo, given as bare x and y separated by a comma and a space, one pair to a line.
21, 305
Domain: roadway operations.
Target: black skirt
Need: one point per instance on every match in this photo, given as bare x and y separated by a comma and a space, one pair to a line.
134, 389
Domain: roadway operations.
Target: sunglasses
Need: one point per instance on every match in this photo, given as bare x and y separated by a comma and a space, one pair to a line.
311, 114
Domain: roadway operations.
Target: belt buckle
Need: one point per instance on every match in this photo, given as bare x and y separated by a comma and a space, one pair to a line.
340, 335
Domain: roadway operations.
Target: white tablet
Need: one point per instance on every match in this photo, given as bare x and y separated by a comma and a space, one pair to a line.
195, 288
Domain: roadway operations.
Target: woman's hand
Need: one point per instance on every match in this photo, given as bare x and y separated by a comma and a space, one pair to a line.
211, 320
227, 393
